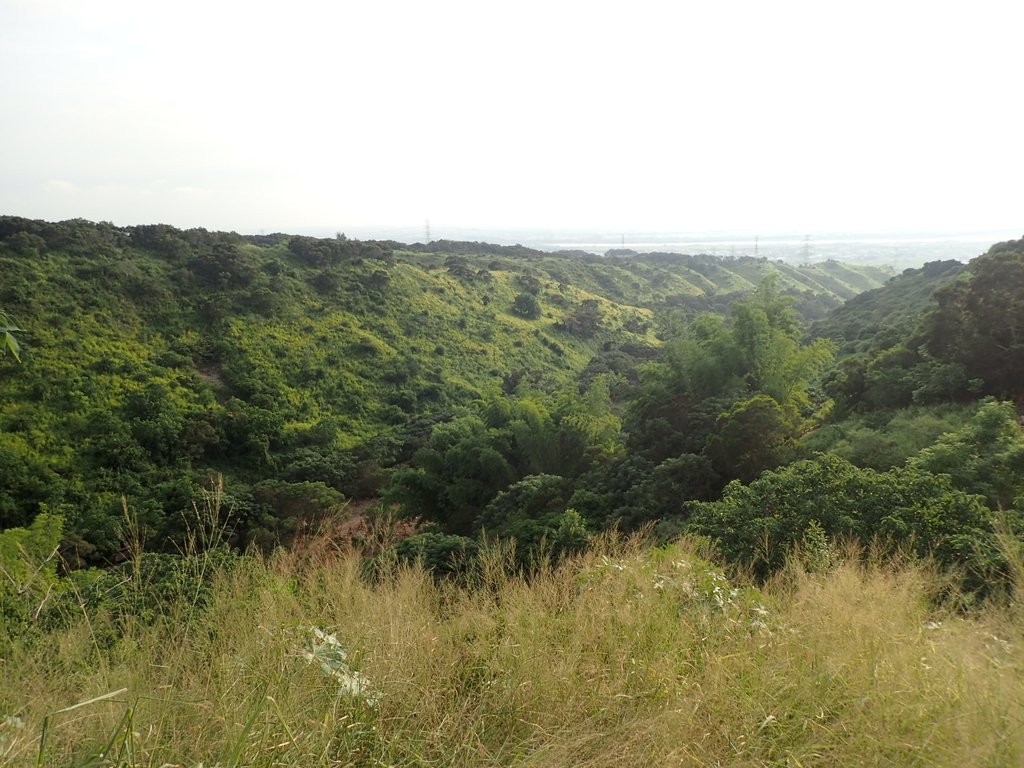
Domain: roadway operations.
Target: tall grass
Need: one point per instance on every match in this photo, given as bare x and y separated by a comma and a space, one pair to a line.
622, 656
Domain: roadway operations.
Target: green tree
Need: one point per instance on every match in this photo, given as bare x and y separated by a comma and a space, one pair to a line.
979, 321
533, 513
526, 305
985, 457
564, 436
766, 329
454, 476
705, 360
224, 265
534, 431
156, 422
846, 384
585, 320
754, 435
26, 482
759, 523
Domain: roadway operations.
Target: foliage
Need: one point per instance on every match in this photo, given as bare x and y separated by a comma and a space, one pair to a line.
886, 439
676, 480
985, 456
755, 435
454, 476
882, 316
28, 574
10, 344
737, 393
945, 333
155, 584
585, 319
526, 305
519, 403
159, 356
758, 523
979, 321
281, 509
310, 370
533, 513
441, 554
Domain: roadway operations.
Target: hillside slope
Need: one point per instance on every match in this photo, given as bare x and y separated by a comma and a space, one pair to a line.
156, 358
887, 312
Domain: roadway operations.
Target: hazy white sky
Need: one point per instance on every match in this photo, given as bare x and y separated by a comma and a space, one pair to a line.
627, 116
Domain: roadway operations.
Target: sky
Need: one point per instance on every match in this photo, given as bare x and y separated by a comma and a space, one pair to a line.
588, 116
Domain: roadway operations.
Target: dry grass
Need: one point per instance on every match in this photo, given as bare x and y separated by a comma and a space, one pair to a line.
622, 657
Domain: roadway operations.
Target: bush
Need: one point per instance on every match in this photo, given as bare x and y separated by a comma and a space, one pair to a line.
157, 585
442, 554
759, 523
526, 305
28, 564
533, 513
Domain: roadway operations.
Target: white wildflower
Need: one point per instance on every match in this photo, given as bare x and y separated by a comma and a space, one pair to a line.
327, 651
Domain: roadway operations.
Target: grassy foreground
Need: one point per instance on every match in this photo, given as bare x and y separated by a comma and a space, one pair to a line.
624, 656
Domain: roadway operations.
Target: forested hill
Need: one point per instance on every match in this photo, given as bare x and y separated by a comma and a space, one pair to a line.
878, 317
300, 367
695, 283
947, 332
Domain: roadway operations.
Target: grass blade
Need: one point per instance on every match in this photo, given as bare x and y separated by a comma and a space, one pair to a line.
236, 752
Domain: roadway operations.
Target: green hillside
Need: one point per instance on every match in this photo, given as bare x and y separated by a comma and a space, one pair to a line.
945, 333
886, 312
300, 368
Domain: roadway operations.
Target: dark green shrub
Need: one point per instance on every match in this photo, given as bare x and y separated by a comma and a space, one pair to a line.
442, 554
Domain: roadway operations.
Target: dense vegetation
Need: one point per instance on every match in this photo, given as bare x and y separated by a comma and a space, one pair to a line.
488, 414
301, 369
